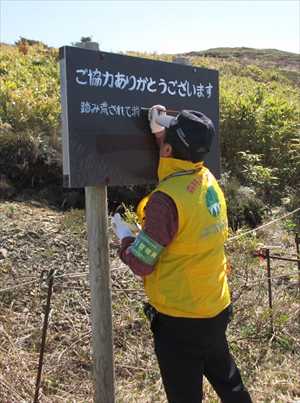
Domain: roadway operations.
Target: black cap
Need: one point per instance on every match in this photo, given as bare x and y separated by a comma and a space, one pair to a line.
194, 131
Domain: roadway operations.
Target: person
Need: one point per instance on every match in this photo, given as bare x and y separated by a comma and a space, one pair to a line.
179, 252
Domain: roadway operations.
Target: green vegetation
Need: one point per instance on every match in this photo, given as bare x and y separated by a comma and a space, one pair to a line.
259, 118
29, 116
30, 88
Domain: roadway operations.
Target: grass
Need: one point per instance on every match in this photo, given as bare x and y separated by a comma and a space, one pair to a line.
38, 239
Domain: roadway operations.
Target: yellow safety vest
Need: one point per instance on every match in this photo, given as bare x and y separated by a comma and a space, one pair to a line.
189, 279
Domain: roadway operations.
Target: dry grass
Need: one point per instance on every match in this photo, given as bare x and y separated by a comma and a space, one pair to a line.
37, 239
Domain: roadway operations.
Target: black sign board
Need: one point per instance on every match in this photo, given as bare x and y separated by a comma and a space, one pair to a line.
105, 96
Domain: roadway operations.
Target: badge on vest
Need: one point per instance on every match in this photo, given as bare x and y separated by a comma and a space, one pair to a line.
212, 201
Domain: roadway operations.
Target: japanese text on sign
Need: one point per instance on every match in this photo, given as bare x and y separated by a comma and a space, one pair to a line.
183, 88
109, 110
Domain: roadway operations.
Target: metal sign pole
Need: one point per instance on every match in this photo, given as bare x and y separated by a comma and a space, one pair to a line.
100, 282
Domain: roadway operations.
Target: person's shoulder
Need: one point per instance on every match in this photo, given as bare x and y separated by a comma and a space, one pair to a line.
160, 197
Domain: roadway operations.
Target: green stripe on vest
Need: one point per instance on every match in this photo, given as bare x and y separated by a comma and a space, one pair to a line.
146, 249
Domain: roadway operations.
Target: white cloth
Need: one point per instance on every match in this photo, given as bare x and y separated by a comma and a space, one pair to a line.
158, 118
120, 227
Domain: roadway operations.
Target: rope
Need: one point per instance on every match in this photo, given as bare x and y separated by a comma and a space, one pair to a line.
263, 280
72, 275
262, 226
19, 285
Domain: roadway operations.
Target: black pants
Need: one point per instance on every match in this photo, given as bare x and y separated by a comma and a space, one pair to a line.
187, 349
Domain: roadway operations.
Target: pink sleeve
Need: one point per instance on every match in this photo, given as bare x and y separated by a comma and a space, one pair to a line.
161, 224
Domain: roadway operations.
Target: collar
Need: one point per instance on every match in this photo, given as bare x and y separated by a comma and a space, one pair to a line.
172, 166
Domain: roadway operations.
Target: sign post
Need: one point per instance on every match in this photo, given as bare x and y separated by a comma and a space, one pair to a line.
101, 314
100, 283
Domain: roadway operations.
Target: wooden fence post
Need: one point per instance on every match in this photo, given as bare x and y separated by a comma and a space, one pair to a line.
297, 241
100, 283
270, 289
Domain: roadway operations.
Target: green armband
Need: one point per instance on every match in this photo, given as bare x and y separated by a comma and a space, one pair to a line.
146, 249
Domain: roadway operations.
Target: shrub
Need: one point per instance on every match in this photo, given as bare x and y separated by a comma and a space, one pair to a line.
18, 151
243, 205
25, 159
260, 120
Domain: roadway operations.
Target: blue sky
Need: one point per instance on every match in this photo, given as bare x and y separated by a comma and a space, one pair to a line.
154, 26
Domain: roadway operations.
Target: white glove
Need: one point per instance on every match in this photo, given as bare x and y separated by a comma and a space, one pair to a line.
158, 118
120, 227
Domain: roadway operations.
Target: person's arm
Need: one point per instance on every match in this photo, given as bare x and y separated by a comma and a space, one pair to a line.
161, 219
161, 225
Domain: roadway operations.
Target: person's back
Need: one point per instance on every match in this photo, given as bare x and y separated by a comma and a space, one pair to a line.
195, 258
180, 254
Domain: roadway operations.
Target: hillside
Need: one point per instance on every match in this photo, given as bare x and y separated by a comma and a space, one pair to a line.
262, 57
287, 63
